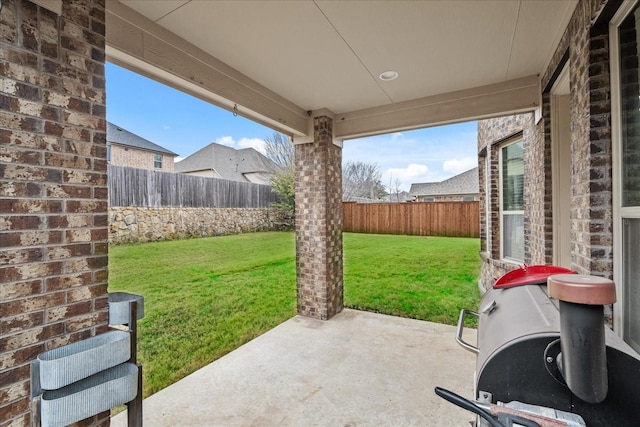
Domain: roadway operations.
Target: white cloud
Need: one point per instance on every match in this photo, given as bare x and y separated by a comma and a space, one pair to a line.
226, 140
410, 172
456, 166
255, 143
407, 176
177, 159
397, 136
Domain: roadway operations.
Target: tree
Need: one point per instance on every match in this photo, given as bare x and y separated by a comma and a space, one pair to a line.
280, 150
361, 179
394, 189
284, 185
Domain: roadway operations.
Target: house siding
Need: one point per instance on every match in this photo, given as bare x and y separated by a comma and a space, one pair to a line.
141, 159
449, 198
591, 179
53, 189
491, 134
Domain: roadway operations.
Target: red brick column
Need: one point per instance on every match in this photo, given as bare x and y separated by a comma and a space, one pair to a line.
319, 223
53, 188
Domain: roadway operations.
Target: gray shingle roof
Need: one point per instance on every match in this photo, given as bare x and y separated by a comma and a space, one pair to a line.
401, 197
228, 162
118, 135
464, 183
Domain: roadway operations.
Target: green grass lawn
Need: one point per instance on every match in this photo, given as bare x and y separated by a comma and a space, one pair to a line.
206, 297
428, 278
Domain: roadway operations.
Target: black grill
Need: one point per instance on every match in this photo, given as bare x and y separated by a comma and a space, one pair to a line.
518, 343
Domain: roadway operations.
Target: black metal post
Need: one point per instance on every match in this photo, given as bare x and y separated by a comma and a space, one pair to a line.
134, 407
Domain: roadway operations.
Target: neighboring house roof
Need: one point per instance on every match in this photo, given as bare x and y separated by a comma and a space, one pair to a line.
464, 183
402, 196
360, 199
229, 163
120, 136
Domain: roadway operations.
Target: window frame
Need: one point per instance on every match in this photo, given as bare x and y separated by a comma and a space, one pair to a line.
620, 212
513, 140
157, 160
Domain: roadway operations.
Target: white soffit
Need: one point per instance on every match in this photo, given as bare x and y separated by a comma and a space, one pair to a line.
436, 47
541, 25
328, 54
289, 48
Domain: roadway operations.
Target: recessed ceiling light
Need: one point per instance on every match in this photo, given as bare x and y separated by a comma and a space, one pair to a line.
388, 75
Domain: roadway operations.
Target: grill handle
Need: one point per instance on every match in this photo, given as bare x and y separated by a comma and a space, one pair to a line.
468, 405
463, 314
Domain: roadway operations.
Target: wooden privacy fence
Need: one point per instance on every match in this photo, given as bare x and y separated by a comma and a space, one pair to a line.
452, 219
147, 188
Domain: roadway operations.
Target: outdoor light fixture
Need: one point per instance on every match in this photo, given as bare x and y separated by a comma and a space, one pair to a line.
388, 75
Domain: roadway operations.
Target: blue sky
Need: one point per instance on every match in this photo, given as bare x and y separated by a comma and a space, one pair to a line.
184, 124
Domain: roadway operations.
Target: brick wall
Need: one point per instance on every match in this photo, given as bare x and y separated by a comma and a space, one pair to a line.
141, 159
491, 134
53, 195
590, 111
591, 206
319, 223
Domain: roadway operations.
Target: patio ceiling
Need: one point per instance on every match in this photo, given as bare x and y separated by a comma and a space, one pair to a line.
276, 60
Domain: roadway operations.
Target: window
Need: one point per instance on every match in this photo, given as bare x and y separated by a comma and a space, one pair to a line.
625, 38
157, 161
630, 106
512, 205
427, 199
468, 198
109, 153
631, 277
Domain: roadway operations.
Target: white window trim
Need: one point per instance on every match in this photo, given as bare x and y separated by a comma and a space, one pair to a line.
502, 215
154, 160
619, 212
487, 199
504, 258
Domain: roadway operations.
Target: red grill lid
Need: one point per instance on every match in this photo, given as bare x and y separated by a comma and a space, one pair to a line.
529, 275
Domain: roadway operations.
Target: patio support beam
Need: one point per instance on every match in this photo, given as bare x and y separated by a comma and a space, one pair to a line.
318, 165
514, 96
142, 46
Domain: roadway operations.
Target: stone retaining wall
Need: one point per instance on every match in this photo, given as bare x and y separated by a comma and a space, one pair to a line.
139, 224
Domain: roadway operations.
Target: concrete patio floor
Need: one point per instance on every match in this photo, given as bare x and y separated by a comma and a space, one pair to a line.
357, 369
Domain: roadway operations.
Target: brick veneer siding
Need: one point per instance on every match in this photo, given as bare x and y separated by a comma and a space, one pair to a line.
53, 194
319, 223
590, 112
141, 159
591, 179
491, 134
